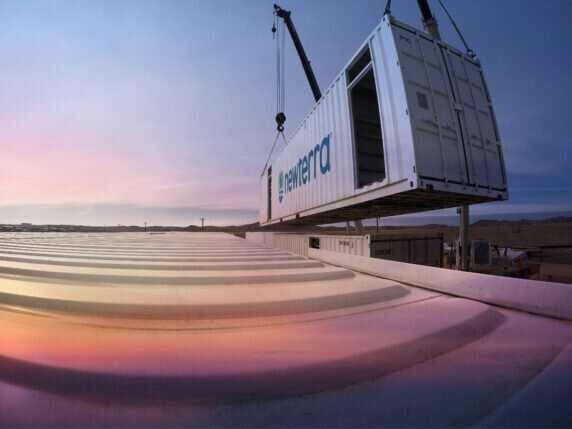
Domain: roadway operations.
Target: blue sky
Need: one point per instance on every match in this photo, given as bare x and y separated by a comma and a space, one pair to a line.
121, 112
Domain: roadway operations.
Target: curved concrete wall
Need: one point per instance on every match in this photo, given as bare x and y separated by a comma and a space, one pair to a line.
545, 298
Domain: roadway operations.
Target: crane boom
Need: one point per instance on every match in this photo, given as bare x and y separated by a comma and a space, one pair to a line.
429, 21
285, 15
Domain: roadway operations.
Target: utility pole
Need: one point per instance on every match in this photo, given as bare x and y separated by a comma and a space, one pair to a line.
464, 236
145, 226
203, 224
431, 27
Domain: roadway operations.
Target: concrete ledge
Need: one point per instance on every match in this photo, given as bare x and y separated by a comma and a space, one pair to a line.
545, 298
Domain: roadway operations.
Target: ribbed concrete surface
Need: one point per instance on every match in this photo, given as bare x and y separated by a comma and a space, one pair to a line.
209, 329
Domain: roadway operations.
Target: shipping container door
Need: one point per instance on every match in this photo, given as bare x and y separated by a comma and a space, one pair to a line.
369, 154
438, 144
476, 116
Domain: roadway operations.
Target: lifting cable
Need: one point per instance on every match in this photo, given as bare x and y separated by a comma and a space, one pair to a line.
272, 150
470, 52
278, 33
278, 30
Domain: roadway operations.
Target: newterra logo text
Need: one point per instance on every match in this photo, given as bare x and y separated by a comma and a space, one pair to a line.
318, 159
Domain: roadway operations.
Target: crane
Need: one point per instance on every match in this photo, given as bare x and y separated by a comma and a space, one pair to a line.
431, 27
285, 15
281, 117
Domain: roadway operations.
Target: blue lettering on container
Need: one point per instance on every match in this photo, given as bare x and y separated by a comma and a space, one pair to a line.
301, 172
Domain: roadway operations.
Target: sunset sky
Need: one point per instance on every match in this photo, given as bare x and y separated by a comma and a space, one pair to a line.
121, 112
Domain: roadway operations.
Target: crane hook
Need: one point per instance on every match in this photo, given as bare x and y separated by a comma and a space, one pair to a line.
280, 119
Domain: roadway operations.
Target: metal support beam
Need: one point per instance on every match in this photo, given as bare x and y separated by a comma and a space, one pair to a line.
429, 21
464, 236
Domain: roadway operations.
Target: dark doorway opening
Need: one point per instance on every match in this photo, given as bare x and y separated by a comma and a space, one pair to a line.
366, 119
270, 193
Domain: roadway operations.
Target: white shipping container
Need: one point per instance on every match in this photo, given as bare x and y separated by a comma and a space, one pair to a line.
407, 126
294, 243
423, 249
257, 237
348, 244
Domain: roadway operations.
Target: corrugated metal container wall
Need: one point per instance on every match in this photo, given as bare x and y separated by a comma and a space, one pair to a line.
451, 112
324, 140
409, 118
422, 249
294, 243
318, 143
256, 237
349, 244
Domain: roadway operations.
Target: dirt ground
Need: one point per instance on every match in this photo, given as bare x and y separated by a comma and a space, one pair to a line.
561, 273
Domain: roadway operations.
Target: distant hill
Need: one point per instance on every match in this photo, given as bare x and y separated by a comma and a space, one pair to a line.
251, 227
481, 223
492, 222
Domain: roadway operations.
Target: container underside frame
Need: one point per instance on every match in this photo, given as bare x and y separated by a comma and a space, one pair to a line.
413, 201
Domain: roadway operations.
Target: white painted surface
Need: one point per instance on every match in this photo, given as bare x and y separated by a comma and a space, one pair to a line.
294, 243
299, 243
440, 148
345, 244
